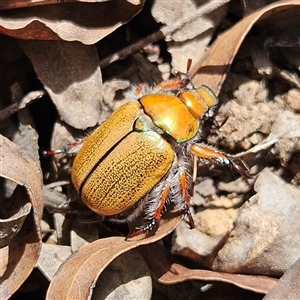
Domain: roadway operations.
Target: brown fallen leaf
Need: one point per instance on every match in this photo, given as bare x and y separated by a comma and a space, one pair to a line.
23, 250
28, 3
78, 21
213, 68
167, 271
77, 276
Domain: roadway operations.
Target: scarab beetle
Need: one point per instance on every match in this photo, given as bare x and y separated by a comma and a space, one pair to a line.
140, 160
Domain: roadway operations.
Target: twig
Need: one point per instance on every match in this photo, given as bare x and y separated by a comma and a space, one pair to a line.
162, 33
15, 107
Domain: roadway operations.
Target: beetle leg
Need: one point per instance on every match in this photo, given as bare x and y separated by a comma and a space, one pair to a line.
185, 196
157, 215
162, 200
206, 152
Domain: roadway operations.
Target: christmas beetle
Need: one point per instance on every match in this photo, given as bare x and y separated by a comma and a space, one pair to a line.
140, 160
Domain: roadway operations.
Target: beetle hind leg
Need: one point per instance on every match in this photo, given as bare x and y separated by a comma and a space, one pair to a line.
174, 191
153, 221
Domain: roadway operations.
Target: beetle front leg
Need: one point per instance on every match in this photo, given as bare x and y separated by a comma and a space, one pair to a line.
206, 152
152, 223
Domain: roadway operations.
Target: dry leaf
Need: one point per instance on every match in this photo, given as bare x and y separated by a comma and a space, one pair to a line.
77, 21
24, 248
72, 78
71, 75
166, 271
77, 276
13, 214
27, 3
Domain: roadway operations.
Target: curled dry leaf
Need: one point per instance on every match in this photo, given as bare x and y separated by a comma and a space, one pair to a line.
78, 275
78, 21
167, 271
212, 69
13, 214
23, 250
265, 238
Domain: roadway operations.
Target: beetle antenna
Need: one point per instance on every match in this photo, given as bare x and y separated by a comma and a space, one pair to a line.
53, 152
70, 148
219, 125
188, 65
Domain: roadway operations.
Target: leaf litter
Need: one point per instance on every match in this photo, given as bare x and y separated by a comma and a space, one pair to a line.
246, 236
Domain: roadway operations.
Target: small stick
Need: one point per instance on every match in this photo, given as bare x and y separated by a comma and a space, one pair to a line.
162, 33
